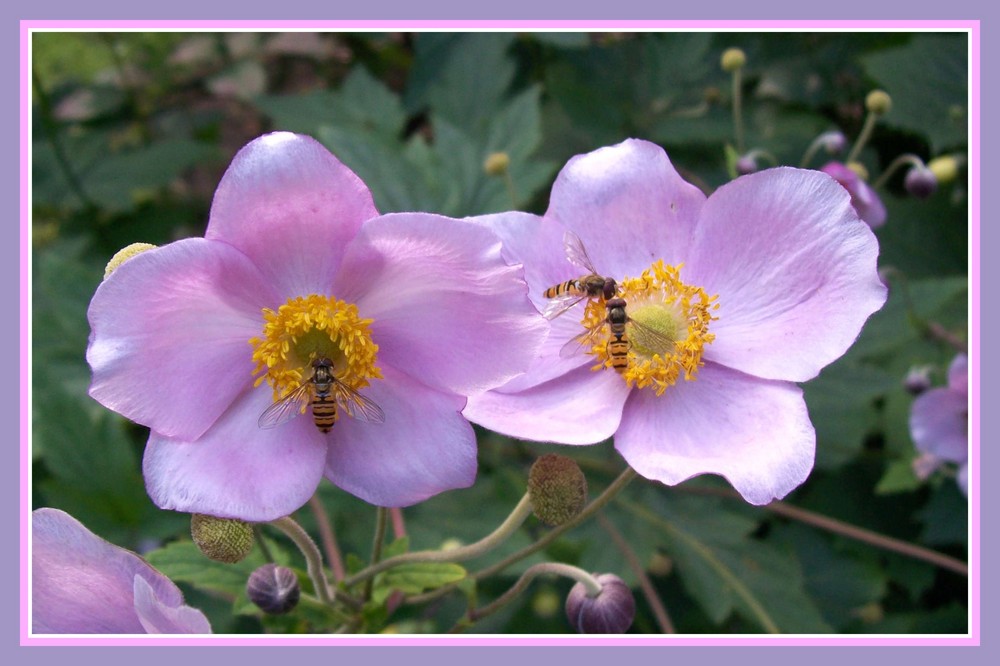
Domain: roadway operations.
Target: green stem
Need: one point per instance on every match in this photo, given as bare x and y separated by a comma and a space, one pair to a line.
906, 158
314, 561
484, 545
532, 572
511, 192
866, 133
327, 537
646, 585
738, 108
381, 520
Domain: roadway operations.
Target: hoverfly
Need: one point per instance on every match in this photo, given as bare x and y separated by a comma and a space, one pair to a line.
324, 393
618, 344
565, 295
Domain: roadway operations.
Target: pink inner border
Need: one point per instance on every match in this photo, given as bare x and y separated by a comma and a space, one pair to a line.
973, 28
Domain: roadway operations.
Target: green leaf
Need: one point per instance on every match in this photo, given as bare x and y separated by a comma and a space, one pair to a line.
841, 407
898, 478
182, 561
946, 516
727, 571
928, 82
415, 578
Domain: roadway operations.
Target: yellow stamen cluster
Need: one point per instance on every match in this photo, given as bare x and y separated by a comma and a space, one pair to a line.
311, 327
667, 328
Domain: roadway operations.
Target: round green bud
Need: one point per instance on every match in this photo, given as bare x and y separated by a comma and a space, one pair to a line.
878, 101
123, 255
944, 168
496, 164
858, 168
558, 489
222, 539
733, 59
546, 603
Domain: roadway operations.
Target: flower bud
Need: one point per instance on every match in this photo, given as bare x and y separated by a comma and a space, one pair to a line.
918, 379
222, 539
274, 589
746, 164
859, 169
944, 168
558, 489
833, 141
733, 59
611, 611
123, 255
878, 101
920, 182
496, 164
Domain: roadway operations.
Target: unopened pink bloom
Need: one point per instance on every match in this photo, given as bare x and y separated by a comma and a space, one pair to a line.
785, 275
939, 424
412, 311
81, 584
864, 199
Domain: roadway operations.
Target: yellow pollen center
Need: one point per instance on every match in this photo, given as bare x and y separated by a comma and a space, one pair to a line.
666, 328
307, 328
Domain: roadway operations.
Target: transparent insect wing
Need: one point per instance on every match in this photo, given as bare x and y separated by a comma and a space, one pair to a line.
656, 339
576, 252
356, 405
561, 303
578, 344
285, 409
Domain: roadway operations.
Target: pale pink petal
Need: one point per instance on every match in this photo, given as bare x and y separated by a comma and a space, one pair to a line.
81, 584
794, 269
962, 478
236, 469
755, 433
292, 207
424, 447
580, 407
628, 205
939, 424
169, 335
158, 617
447, 308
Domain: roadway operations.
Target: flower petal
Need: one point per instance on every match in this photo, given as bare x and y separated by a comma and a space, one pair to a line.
424, 447
169, 331
628, 205
580, 407
446, 308
863, 198
158, 617
292, 207
794, 268
81, 584
958, 374
939, 424
755, 433
237, 470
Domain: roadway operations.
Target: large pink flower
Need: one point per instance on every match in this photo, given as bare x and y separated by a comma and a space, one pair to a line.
939, 424
81, 584
732, 299
411, 311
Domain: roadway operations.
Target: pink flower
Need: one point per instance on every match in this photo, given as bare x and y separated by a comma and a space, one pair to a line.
730, 301
298, 278
939, 424
81, 584
864, 199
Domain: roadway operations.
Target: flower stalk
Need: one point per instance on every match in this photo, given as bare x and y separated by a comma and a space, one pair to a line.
314, 560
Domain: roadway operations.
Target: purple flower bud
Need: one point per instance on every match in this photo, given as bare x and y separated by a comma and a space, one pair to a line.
834, 141
920, 182
610, 612
274, 589
746, 164
918, 379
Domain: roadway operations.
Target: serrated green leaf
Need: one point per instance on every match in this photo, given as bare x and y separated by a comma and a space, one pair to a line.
725, 571
416, 577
